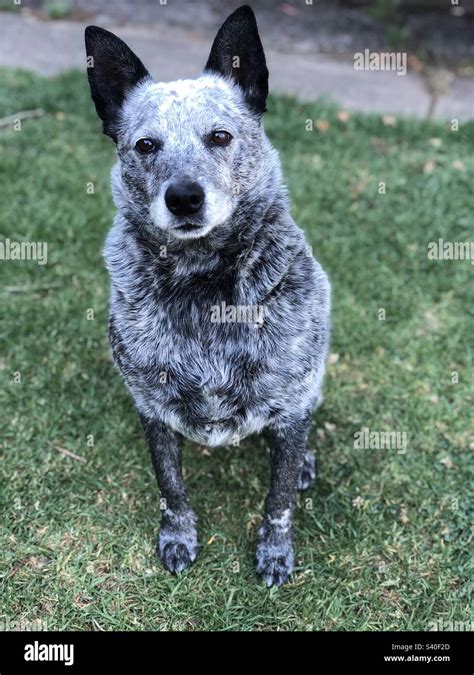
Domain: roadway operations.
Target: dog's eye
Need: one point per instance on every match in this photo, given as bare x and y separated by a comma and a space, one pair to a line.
145, 145
221, 137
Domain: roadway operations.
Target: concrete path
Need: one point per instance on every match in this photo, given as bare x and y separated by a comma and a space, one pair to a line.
171, 52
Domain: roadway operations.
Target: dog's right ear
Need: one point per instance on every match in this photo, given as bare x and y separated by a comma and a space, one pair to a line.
113, 70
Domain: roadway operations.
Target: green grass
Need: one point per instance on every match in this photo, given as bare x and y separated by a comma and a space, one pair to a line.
77, 539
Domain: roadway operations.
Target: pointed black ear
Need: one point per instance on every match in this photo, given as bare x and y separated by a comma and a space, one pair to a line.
238, 53
113, 70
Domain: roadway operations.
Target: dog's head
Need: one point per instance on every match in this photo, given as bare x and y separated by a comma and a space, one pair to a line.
189, 151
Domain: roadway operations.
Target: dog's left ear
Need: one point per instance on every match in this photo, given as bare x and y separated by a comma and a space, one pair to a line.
237, 53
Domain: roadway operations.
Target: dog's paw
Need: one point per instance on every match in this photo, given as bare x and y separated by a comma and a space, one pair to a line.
308, 472
274, 562
176, 556
177, 550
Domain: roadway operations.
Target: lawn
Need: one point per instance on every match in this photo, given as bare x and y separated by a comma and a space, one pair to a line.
382, 538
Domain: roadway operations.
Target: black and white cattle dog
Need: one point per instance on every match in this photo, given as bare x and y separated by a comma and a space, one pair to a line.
219, 314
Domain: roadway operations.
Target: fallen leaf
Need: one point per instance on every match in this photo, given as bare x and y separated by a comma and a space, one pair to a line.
343, 116
429, 166
389, 120
447, 462
322, 125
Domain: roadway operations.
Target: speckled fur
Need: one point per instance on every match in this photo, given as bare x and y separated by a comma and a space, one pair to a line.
213, 382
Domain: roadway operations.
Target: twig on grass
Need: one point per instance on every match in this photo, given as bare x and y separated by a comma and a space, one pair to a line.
32, 289
21, 115
68, 453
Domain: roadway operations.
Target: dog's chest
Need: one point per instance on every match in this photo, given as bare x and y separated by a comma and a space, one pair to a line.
198, 360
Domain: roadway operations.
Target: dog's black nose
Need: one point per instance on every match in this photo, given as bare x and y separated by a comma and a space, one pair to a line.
184, 199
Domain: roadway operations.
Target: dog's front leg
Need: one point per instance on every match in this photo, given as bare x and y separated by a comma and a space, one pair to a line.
177, 544
275, 544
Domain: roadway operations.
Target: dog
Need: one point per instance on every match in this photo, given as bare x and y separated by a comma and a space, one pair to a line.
219, 313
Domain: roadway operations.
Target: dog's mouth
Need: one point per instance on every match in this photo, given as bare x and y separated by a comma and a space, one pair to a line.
188, 227
190, 230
